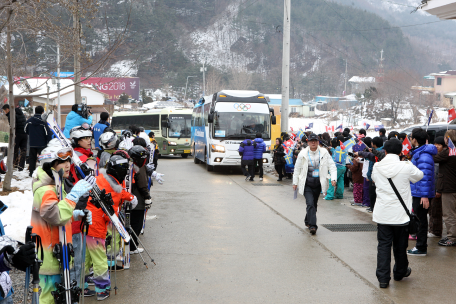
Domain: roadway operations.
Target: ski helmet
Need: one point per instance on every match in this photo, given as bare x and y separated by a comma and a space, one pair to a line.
122, 153
79, 132
3, 167
117, 167
108, 140
139, 155
54, 151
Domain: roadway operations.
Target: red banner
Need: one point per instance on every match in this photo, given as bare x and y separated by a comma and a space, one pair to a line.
114, 87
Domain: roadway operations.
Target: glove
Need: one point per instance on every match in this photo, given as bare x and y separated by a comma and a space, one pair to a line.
81, 188
134, 203
92, 181
79, 215
158, 177
148, 203
23, 258
149, 169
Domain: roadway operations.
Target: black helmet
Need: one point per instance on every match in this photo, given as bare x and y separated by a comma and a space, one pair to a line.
117, 166
139, 155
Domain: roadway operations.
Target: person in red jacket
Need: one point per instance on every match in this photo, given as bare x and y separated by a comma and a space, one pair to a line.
110, 179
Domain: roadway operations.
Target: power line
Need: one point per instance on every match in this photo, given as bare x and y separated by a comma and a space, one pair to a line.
401, 4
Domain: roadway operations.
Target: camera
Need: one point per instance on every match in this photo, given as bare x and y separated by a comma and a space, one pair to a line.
351, 154
84, 110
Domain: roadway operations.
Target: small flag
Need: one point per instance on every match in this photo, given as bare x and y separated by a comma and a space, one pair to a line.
342, 145
293, 136
289, 143
451, 147
451, 114
349, 143
329, 129
26, 102
340, 127
300, 134
430, 117
289, 157
406, 146
351, 128
367, 126
285, 148
360, 146
291, 129
339, 156
378, 127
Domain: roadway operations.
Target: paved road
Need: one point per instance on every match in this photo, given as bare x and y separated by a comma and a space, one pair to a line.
219, 239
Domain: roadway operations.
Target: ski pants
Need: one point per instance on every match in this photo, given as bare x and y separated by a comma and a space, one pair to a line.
340, 185
96, 256
47, 284
110, 248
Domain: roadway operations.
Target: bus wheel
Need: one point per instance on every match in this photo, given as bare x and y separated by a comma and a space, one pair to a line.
184, 155
208, 167
195, 160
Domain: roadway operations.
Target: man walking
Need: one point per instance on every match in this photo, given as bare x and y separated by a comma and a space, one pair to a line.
389, 214
258, 154
246, 150
20, 141
423, 159
311, 177
39, 136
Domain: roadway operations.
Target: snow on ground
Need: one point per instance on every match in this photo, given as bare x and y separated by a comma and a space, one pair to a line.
17, 217
124, 68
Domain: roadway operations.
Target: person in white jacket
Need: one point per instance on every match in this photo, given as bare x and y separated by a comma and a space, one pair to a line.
311, 177
389, 214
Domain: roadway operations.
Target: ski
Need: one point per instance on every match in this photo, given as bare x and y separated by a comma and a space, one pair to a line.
96, 192
61, 251
125, 246
151, 161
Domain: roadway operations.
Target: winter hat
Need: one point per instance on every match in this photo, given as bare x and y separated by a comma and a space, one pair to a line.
440, 140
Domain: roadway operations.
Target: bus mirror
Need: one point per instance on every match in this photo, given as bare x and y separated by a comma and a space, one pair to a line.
273, 120
210, 118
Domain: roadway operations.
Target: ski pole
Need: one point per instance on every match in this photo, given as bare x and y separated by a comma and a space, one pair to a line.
115, 259
85, 230
147, 252
36, 269
28, 238
136, 245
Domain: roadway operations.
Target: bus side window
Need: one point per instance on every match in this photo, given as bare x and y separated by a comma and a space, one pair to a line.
206, 113
164, 119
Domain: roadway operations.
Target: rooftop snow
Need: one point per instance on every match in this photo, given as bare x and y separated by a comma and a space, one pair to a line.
359, 79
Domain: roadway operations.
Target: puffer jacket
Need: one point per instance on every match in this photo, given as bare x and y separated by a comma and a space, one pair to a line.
447, 171
140, 187
422, 158
4, 267
73, 119
48, 214
246, 149
20, 121
279, 154
259, 149
98, 229
38, 131
388, 209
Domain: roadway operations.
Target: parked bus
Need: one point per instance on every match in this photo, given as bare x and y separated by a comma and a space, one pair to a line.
172, 128
222, 121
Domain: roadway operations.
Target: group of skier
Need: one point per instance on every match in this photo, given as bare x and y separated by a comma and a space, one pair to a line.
106, 193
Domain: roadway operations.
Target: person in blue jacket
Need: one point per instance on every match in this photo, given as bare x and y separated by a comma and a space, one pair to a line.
12, 254
258, 155
39, 135
422, 191
99, 128
74, 119
246, 150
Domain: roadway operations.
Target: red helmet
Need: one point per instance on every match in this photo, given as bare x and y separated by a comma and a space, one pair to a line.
3, 167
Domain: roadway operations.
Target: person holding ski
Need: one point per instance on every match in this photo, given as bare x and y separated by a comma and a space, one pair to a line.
49, 213
110, 180
108, 143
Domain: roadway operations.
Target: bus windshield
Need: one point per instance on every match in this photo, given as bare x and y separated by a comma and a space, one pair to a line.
237, 125
180, 126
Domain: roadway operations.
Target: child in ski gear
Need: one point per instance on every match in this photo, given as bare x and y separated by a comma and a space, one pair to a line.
110, 180
49, 213
108, 143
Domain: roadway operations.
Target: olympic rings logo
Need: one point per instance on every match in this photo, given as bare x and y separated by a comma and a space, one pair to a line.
242, 107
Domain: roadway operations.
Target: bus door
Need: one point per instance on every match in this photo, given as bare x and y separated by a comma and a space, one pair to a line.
164, 131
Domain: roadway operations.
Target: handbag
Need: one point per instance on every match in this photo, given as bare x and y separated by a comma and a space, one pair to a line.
414, 223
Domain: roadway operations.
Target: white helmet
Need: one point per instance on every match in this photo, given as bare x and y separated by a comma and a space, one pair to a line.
108, 140
80, 132
53, 151
126, 144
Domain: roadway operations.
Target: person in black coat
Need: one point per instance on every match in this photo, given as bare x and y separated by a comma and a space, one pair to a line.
279, 159
39, 136
21, 137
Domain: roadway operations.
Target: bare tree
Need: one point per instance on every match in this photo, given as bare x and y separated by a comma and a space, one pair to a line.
214, 82
240, 80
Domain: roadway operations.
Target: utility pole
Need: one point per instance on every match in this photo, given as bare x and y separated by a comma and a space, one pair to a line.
59, 118
186, 85
77, 64
12, 113
346, 68
286, 65
203, 69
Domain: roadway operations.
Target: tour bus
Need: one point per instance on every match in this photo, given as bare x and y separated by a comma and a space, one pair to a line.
172, 128
222, 121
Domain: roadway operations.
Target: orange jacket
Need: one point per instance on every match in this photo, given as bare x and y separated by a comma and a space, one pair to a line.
100, 220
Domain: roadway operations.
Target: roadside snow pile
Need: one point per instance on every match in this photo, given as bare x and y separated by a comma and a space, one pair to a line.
17, 217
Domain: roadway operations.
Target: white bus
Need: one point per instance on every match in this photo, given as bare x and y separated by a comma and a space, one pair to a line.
172, 128
222, 121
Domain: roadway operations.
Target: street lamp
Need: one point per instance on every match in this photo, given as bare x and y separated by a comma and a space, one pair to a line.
186, 85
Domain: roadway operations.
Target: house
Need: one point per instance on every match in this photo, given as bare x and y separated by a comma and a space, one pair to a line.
444, 86
443, 9
294, 105
43, 91
360, 84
